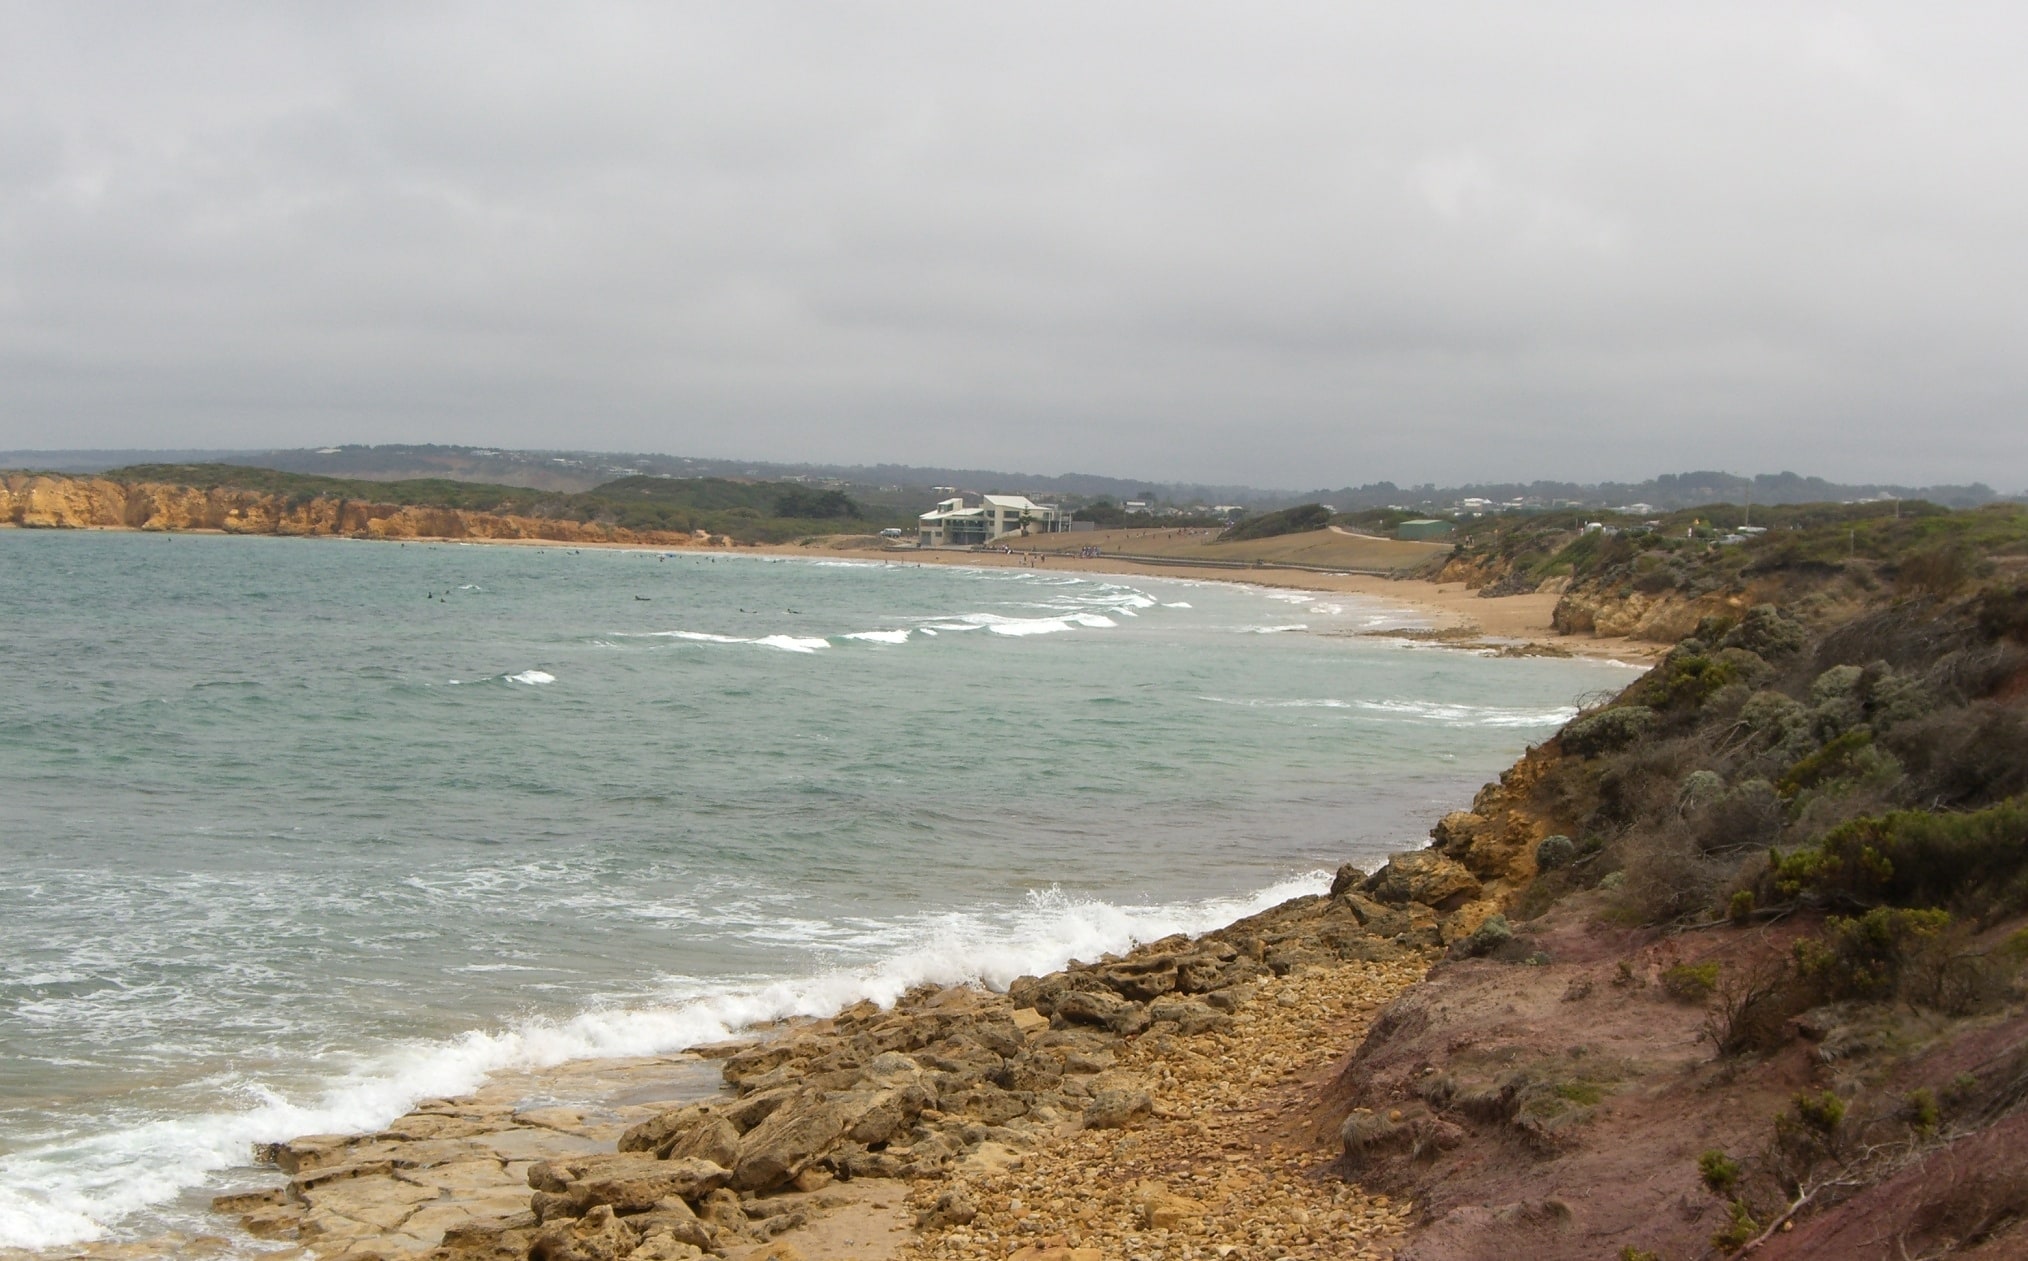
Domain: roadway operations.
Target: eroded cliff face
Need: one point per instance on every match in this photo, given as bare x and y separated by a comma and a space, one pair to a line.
1663, 619
78, 503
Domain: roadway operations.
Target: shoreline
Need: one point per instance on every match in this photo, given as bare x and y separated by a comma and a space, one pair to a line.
1161, 1100
629, 1084
1515, 625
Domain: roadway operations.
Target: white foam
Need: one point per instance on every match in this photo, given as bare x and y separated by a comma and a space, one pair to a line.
1322, 703
787, 643
881, 636
1274, 630
1001, 625
791, 643
1177, 605
76, 1189
534, 678
1424, 711
1473, 715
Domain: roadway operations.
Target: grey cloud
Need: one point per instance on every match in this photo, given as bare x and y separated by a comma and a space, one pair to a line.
1293, 245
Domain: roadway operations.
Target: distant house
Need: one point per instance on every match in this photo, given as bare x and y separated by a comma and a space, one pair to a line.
966, 519
1423, 528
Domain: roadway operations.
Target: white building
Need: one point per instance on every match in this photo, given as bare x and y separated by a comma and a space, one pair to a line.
967, 519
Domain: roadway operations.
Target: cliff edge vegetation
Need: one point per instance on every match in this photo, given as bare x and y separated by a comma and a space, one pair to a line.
1749, 977
241, 500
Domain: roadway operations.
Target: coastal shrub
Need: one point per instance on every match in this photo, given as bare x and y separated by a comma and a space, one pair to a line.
1685, 680
1775, 719
1767, 632
1965, 756
1892, 699
1298, 520
815, 505
1836, 703
1921, 1110
1690, 982
1636, 787
1839, 759
1667, 879
1915, 858
1822, 1111
1748, 816
1555, 852
1949, 973
1863, 957
1699, 789
1655, 581
1719, 1171
1485, 939
1753, 1006
1940, 570
1739, 1230
2002, 612
1608, 729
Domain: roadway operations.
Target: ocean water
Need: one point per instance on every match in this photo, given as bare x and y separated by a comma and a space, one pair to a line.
295, 832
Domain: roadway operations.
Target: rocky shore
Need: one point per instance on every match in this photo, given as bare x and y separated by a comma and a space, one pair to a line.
1150, 1105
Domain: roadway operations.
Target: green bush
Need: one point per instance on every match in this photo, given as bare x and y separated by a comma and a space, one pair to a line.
1768, 632
1922, 1111
1685, 681
1297, 520
1608, 729
1690, 982
1739, 1230
1554, 852
1915, 858
1839, 759
1821, 1112
1863, 957
1719, 1171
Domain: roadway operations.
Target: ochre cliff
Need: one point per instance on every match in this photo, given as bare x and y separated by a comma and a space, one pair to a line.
1664, 618
39, 501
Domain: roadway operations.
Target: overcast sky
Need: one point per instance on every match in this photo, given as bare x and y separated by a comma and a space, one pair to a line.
1282, 244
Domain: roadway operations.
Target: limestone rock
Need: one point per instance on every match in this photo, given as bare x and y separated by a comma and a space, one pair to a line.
637, 1189
507, 1240
1156, 1207
1424, 876
312, 1151
674, 1219
598, 1236
1189, 1016
700, 1131
954, 1207
1116, 1107
776, 1150
1102, 1008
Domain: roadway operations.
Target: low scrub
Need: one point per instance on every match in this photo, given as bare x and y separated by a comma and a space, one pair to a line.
1914, 858
1298, 520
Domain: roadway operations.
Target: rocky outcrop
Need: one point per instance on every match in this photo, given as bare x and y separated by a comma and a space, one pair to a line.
946, 1083
1662, 618
38, 501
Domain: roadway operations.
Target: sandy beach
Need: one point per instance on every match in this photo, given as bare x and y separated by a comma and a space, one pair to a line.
1468, 620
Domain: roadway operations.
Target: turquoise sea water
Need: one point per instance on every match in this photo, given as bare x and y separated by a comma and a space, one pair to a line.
294, 832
